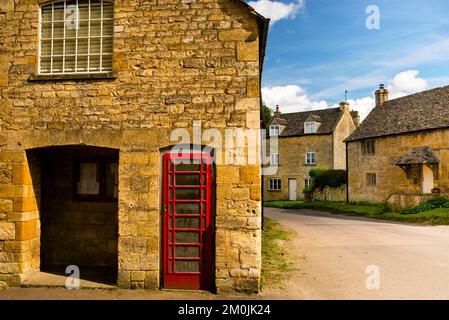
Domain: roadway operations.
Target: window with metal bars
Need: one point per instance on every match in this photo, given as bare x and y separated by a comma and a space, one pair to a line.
76, 37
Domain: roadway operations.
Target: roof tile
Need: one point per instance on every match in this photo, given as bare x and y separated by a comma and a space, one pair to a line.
421, 111
294, 122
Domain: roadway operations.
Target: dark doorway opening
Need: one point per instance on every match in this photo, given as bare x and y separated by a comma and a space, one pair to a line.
79, 211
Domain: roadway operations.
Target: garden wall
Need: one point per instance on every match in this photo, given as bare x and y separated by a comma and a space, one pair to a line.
330, 194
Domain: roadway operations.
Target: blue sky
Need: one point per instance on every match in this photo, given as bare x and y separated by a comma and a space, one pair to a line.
317, 49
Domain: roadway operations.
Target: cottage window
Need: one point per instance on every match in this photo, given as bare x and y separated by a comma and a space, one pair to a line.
307, 183
274, 131
310, 127
368, 147
275, 158
76, 37
275, 185
311, 157
371, 179
96, 179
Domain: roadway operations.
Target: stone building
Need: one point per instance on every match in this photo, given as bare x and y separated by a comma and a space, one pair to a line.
305, 140
400, 153
91, 93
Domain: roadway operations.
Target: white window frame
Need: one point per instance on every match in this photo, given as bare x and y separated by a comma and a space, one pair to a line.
308, 182
51, 56
275, 130
275, 159
311, 157
275, 184
310, 127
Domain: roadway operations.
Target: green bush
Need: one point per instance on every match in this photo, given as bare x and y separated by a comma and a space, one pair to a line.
308, 194
329, 178
385, 208
434, 203
438, 202
316, 171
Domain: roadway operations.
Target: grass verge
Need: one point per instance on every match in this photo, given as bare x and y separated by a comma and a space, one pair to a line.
276, 264
438, 216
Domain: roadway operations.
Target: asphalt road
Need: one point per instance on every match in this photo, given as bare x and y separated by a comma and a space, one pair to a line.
337, 256
331, 254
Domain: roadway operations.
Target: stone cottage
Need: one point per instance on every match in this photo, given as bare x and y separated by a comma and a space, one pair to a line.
91, 93
306, 140
400, 153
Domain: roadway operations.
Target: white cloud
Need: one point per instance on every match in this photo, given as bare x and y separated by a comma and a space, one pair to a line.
362, 105
293, 98
406, 83
276, 10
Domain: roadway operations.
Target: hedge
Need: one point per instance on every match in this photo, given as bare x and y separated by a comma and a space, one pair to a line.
329, 178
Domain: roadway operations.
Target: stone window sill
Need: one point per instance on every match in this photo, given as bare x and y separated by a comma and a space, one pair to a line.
310, 164
74, 76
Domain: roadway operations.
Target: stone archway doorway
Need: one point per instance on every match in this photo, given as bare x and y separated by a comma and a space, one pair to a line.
76, 190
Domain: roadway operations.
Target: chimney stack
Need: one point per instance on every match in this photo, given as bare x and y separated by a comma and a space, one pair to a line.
381, 95
344, 106
277, 113
356, 118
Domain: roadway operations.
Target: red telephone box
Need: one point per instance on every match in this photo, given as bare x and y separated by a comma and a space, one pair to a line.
188, 228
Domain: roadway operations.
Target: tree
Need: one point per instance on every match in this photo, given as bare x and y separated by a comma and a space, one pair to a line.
267, 113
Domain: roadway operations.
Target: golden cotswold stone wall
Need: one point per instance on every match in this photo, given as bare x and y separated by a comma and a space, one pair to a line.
390, 178
292, 152
343, 129
330, 153
174, 61
330, 194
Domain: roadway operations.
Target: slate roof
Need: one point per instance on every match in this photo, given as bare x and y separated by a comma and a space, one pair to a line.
314, 117
418, 156
281, 121
294, 122
421, 111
